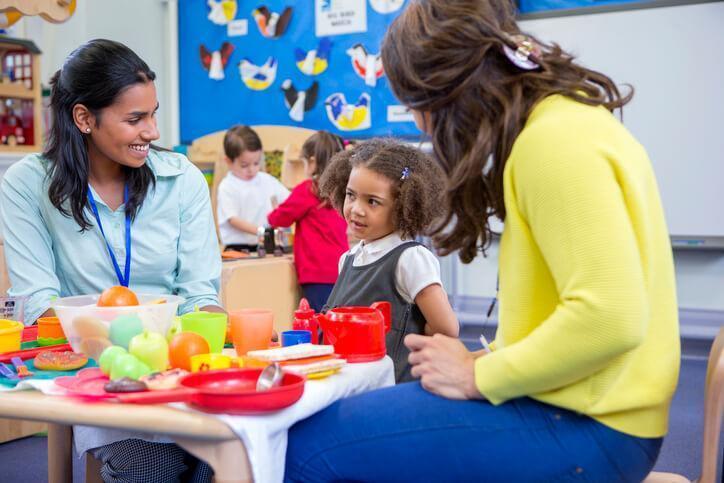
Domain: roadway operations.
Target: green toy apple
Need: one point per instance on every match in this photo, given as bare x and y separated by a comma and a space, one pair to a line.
174, 329
151, 348
127, 365
124, 328
109, 356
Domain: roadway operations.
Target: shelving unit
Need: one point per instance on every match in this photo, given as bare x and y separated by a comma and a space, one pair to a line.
21, 127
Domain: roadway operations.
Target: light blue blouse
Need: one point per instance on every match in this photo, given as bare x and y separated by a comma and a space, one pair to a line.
174, 249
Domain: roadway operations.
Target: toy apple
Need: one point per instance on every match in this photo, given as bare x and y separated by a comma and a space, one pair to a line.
124, 328
174, 329
127, 365
109, 356
151, 348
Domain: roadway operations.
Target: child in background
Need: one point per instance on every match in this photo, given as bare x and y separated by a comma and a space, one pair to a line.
245, 195
320, 235
390, 193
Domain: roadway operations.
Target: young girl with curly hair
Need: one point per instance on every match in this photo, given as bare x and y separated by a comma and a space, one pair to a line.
389, 193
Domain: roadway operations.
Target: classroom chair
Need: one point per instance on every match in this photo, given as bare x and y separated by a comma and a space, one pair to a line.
713, 409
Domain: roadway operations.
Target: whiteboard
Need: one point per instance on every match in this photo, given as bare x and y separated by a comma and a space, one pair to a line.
674, 58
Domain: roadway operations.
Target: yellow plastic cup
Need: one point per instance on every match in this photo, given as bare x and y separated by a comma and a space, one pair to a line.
209, 362
11, 332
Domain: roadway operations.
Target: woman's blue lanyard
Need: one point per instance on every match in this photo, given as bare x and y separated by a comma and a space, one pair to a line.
123, 280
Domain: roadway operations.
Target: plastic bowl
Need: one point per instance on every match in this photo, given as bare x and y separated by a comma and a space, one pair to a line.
88, 327
10, 334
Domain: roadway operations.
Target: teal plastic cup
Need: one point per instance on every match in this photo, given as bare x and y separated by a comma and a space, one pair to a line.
209, 325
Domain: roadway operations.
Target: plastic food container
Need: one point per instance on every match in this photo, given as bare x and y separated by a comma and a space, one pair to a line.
90, 329
10, 333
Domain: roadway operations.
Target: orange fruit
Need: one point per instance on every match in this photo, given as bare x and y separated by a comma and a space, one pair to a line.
117, 296
183, 346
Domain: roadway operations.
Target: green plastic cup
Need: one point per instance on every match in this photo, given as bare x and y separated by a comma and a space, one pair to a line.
209, 325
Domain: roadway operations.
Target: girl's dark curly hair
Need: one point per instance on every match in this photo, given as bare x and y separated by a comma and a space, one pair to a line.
418, 198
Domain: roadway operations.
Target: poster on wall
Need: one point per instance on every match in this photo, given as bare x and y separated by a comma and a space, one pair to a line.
339, 17
535, 6
281, 73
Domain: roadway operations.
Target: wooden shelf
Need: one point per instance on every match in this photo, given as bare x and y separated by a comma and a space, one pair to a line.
16, 91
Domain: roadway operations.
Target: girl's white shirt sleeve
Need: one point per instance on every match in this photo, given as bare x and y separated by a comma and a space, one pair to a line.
417, 269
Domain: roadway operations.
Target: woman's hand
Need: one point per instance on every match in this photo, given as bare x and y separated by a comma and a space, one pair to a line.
443, 364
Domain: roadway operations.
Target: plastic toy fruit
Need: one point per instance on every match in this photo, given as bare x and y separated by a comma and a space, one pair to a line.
174, 329
185, 345
117, 296
124, 328
127, 365
151, 348
109, 356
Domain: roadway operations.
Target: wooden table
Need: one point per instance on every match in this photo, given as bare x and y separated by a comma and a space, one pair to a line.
262, 283
204, 436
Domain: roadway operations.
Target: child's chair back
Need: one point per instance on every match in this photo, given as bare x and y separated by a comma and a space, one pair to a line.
713, 410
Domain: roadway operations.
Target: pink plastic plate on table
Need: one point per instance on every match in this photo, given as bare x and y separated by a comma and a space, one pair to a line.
87, 383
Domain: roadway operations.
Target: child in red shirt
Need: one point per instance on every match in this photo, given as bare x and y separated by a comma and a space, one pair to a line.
320, 236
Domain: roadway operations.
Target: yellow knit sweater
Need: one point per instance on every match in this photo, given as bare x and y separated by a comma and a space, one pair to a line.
588, 314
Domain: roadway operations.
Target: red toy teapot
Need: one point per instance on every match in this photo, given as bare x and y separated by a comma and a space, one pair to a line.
357, 333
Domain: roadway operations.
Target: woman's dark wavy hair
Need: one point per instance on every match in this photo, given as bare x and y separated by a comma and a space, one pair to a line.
446, 57
94, 75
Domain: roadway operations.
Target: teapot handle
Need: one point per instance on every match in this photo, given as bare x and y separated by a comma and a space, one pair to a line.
385, 308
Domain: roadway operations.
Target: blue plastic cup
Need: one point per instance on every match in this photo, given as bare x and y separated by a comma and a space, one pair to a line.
294, 337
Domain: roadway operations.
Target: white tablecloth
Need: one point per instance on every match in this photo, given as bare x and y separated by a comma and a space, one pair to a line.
265, 437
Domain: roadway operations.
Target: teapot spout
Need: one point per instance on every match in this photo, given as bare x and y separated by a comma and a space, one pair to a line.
329, 328
385, 308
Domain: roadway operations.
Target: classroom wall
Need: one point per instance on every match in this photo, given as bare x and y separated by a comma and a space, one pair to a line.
146, 26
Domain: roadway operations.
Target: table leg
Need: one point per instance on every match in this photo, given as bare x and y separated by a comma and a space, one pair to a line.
228, 458
60, 453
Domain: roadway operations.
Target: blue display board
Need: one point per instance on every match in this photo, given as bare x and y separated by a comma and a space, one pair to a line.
534, 6
209, 105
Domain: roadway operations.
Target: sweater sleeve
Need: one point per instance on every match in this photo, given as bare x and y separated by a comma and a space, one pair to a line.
569, 197
299, 202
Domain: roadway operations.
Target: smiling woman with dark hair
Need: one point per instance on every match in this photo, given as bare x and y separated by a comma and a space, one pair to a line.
102, 206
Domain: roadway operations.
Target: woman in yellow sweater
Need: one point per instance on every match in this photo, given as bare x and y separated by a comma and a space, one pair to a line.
585, 362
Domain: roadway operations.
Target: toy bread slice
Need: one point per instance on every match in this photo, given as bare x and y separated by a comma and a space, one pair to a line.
321, 366
299, 351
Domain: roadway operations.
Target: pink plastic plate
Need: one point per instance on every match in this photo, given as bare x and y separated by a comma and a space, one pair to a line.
87, 383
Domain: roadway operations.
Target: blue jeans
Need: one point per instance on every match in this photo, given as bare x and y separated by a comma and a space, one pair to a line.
317, 294
404, 433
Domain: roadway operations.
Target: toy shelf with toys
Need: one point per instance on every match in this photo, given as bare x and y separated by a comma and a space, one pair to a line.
20, 96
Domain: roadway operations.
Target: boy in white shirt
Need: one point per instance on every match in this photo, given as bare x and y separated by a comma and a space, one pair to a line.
246, 195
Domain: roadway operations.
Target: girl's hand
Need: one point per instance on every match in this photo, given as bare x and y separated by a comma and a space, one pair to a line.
443, 364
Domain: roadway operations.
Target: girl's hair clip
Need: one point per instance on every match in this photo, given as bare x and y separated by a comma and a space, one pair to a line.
405, 173
527, 53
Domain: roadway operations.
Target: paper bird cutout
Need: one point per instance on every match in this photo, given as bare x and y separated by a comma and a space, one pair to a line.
366, 65
386, 6
216, 61
299, 102
271, 24
348, 117
316, 60
222, 11
258, 77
